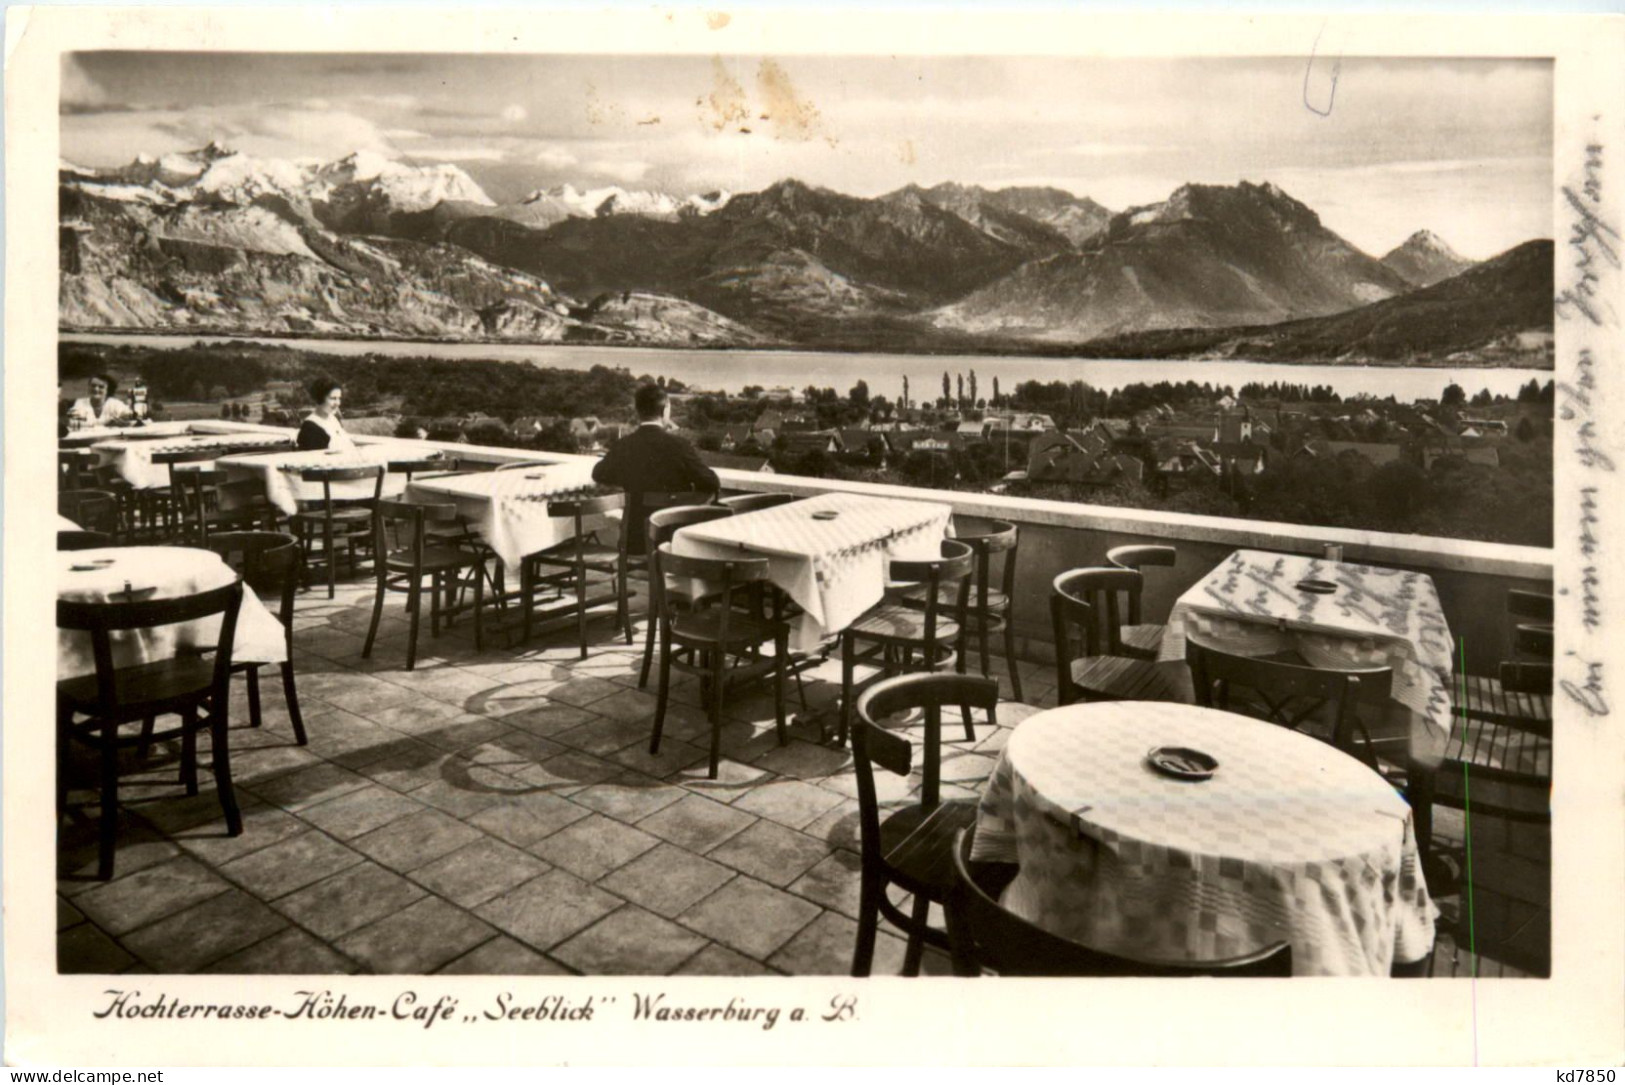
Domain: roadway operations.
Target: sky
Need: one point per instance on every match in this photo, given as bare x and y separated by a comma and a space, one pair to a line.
1460, 147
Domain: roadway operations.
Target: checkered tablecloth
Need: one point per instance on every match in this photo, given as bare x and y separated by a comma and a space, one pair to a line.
834, 569
509, 508
280, 472
1290, 840
158, 572
1377, 617
133, 459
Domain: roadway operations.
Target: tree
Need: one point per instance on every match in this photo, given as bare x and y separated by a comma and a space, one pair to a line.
859, 395
996, 390
973, 386
751, 391
1526, 428
905, 391
947, 389
961, 398
1453, 396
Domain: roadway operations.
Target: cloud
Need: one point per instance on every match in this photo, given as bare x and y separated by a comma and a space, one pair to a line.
625, 171
555, 157
462, 154
514, 113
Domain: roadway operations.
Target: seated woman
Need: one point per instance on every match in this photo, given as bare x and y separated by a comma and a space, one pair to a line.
99, 408
322, 428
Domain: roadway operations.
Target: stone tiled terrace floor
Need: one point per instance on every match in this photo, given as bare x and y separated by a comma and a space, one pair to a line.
494, 812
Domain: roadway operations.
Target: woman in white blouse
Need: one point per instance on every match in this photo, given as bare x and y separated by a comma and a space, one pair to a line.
322, 428
99, 407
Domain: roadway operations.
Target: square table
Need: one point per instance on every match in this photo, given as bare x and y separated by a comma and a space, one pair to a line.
280, 472
832, 566
1290, 839
509, 508
158, 572
1374, 617
133, 458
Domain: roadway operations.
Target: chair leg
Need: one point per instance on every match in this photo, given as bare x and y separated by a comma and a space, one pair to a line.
981, 639
435, 582
143, 749
719, 660
916, 936
527, 604
254, 718
663, 695
479, 607
327, 554
623, 602
189, 751
848, 646
109, 791
414, 604
781, 649
291, 695
863, 954
581, 611
648, 653
222, 769
1010, 656
372, 628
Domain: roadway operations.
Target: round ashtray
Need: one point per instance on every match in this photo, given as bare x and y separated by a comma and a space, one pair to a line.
827, 514
1316, 587
1182, 763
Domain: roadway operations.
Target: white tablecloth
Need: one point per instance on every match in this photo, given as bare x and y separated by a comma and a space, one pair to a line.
89, 435
279, 472
509, 508
1290, 839
1376, 618
134, 458
834, 569
65, 524
173, 571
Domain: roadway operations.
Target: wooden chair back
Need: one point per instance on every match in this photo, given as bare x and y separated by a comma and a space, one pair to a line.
92, 510
329, 475
662, 526
954, 567
1095, 602
719, 578
757, 502
985, 934
418, 466
387, 519
75, 469
1529, 606
875, 741
83, 540
102, 620
641, 504
1138, 557
998, 537
1289, 694
268, 562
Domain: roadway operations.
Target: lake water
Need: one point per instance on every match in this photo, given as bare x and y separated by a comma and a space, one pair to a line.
731, 370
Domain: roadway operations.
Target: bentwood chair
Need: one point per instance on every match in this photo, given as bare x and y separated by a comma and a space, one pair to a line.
1141, 639
582, 565
402, 569
633, 547
990, 607
710, 631
1317, 700
757, 502
986, 935
911, 847
1090, 603
94, 709
334, 521
269, 562
662, 526
898, 627
92, 510
215, 503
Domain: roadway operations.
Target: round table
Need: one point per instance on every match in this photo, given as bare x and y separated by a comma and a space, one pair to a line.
1290, 839
158, 572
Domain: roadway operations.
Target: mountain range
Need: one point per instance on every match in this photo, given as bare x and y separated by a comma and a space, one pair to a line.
215, 240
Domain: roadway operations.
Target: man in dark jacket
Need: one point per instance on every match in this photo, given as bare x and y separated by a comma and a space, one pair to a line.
651, 459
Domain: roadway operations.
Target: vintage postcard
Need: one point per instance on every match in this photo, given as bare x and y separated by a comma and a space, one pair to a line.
767, 536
